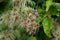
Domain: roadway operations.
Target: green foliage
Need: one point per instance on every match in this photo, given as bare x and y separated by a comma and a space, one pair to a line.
3, 26
5, 5
48, 12
48, 4
47, 25
32, 38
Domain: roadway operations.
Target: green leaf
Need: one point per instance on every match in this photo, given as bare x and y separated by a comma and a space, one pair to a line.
53, 10
41, 14
32, 38
3, 26
57, 5
48, 4
47, 25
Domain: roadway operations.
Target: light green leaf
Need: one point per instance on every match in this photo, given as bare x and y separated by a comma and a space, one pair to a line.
47, 25
48, 4
32, 38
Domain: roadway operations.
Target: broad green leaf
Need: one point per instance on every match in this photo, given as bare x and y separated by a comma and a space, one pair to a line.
48, 4
47, 25
32, 38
